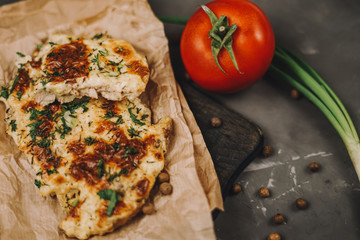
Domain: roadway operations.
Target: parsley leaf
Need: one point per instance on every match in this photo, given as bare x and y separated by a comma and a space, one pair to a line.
13, 125
134, 118
64, 129
122, 171
97, 36
89, 140
144, 116
14, 83
20, 54
19, 95
4, 92
100, 168
49, 172
38, 183
111, 195
75, 203
130, 151
77, 103
96, 60
133, 132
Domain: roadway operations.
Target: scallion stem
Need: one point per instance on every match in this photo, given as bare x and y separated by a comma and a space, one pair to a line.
288, 67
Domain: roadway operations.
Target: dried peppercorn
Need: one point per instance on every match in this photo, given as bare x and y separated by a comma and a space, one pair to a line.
264, 192
216, 122
236, 188
274, 236
301, 203
165, 188
295, 94
267, 151
163, 177
314, 166
279, 218
148, 208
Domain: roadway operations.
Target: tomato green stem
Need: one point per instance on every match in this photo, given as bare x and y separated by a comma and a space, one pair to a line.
221, 35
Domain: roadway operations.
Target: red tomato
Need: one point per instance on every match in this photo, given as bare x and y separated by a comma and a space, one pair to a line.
253, 46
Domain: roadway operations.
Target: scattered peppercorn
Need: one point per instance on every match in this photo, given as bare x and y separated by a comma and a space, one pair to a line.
216, 122
163, 177
295, 94
274, 236
148, 208
165, 188
267, 151
301, 203
314, 166
279, 218
236, 188
264, 192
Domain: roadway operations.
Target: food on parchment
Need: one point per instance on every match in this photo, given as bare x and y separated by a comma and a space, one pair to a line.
99, 157
68, 67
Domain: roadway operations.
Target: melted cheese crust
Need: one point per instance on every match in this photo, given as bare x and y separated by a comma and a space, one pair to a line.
67, 67
100, 157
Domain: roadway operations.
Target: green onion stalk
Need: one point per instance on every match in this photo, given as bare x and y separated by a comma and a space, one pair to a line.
290, 68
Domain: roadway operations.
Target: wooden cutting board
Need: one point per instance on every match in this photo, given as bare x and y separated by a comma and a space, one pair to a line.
233, 145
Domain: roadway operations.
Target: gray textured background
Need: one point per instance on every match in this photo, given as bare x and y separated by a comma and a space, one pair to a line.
326, 33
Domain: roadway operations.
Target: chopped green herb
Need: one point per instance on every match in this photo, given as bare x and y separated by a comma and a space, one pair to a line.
34, 130
100, 168
52, 43
13, 125
56, 73
134, 119
113, 74
133, 132
120, 120
38, 47
38, 183
96, 60
36, 113
115, 147
144, 116
20, 54
130, 151
120, 48
77, 103
43, 143
49, 172
14, 83
104, 52
89, 140
39, 173
64, 129
122, 171
89, 123
97, 36
109, 114
119, 68
113, 196
75, 203
4, 92
90, 68
70, 38
19, 95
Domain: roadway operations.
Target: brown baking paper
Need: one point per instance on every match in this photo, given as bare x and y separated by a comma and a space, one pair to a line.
186, 214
